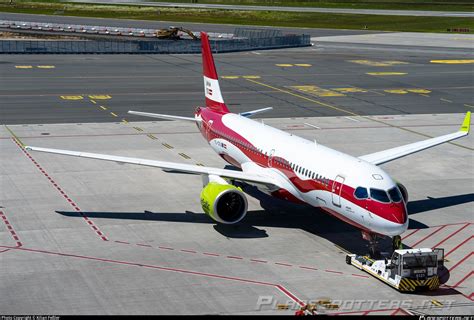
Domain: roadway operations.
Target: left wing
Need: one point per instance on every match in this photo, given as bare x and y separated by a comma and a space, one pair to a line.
398, 152
249, 114
176, 167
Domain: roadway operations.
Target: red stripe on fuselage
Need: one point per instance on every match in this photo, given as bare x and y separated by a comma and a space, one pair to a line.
394, 212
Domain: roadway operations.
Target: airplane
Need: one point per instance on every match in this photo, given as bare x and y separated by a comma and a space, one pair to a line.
354, 189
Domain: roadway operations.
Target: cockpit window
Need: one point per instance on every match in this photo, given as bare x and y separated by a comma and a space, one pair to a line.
361, 193
395, 194
379, 195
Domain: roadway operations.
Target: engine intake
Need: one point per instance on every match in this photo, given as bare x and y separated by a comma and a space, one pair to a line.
224, 203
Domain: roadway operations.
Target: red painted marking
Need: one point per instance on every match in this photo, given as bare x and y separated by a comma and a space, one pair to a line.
463, 279
451, 235
333, 271
10, 229
122, 242
166, 248
261, 261
432, 233
457, 247
189, 251
284, 264
144, 245
461, 261
416, 230
233, 257
359, 275
290, 295
183, 271
56, 186
309, 268
211, 254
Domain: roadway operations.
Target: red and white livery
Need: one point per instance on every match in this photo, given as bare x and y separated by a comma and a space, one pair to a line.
354, 189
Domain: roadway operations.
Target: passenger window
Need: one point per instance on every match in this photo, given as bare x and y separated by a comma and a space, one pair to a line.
361, 193
379, 195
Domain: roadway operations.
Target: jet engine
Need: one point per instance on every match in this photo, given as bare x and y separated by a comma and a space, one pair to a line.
224, 203
404, 191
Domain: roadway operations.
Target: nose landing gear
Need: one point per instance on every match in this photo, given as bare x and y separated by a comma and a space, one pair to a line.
373, 243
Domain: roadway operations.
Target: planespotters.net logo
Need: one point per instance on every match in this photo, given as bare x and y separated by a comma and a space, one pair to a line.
326, 305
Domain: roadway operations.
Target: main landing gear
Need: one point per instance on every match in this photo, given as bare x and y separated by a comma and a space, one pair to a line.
373, 244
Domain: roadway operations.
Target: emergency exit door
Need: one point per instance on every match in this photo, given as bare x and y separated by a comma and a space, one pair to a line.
336, 190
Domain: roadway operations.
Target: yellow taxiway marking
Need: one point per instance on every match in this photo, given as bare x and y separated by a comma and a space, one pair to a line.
100, 97
138, 128
350, 112
445, 100
113, 114
230, 77
436, 303
420, 91
349, 90
284, 65
167, 146
184, 155
103, 108
302, 64
373, 63
124, 121
251, 77
317, 91
468, 105
152, 136
200, 164
72, 97
386, 73
15, 136
24, 67
396, 91
46, 67
462, 61
93, 101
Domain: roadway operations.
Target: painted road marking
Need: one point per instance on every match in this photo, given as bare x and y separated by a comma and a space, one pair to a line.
103, 108
373, 63
445, 100
251, 77
100, 97
386, 73
468, 105
349, 90
93, 101
420, 91
396, 91
152, 136
124, 121
284, 65
200, 164
463, 61
302, 65
24, 67
167, 146
184, 155
113, 114
138, 129
46, 67
317, 91
229, 77
352, 119
72, 97
350, 112
310, 125
237, 77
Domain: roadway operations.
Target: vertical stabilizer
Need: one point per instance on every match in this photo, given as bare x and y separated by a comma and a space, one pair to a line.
212, 90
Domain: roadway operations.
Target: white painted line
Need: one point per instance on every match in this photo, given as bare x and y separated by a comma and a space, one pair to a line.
352, 119
310, 125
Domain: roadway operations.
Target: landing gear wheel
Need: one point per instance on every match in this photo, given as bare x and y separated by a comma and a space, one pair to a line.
397, 243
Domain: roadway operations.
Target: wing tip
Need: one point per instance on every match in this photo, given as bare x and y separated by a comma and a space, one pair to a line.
466, 124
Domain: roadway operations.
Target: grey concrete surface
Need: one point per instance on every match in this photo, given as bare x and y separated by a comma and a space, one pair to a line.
163, 256
416, 13
407, 39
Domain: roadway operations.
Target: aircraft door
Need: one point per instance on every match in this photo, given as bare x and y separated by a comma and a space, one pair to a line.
336, 190
270, 158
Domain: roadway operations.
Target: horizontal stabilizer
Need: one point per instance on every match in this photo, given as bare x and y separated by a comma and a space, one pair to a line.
163, 116
249, 114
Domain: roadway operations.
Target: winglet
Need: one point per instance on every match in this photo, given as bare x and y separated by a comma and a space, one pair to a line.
466, 124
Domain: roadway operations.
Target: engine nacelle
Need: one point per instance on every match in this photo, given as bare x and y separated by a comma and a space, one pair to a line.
224, 203
404, 191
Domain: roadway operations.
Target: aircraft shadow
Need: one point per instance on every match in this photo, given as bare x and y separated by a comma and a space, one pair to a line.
430, 203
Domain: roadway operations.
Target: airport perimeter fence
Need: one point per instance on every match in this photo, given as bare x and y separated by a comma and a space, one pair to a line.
150, 46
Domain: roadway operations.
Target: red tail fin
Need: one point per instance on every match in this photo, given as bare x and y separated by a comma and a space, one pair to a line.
212, 90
